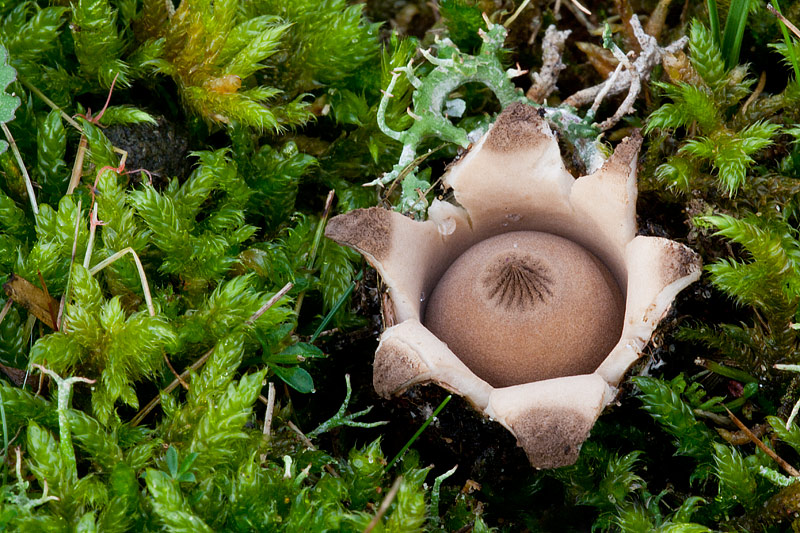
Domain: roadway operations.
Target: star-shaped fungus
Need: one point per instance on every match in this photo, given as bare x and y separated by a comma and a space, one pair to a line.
532, 296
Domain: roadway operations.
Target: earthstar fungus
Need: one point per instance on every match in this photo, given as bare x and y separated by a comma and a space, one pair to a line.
532, 296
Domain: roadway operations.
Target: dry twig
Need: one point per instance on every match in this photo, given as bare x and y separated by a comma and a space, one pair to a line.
630, 78
387, 501
544, 81
764, 448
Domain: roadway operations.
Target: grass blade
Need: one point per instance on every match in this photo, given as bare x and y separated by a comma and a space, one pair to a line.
787, 39
416, 435
734, 31
713, 20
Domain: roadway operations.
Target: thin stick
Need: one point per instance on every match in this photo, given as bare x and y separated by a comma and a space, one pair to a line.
776, 10
270, 410
312, 255
6, 307
65, 296
792, 415
513, 17
775, 457
309, 445
579, 14
762, 81
145, 286
783, 19
197, 364
264, 308
18, 157
607, 87
32, 88
169, 388
326, 211
172, 369
387, 501
5, 432
96, 119
77, 167
581, 7
410, 168
306, 440
87, 257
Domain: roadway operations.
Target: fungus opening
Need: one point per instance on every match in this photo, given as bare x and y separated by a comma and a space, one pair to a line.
527, 306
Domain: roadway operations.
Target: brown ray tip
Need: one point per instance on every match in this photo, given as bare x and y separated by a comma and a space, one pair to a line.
519, 127
367, 230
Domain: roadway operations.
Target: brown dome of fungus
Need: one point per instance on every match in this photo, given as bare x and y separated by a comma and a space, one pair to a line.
535, 337
526, 306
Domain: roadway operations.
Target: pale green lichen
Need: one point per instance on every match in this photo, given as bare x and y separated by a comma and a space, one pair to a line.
453, 69
432, 108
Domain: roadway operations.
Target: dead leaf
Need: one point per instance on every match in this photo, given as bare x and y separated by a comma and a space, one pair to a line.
32, 298
601, 59
16, 375
679, 69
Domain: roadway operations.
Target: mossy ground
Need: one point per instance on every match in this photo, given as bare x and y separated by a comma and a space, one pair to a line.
253, 112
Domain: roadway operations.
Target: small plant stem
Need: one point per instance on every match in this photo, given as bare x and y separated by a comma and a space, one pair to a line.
312, 254
272, 301
793, 414
513, 17
418, 433
145, 286
77, 167
655, 23
169, 388
96, 119
180, 379
341, 419
437, 485
320, 228
583, 9
4, 310
339, 303
172, 369
5, 432
32, 88
270, 410
796, 408
309, 445
387, 501
87, 257
776, 10
65, 296
579, 14
409, 169
64, 431
762, 81
25, 502
18, 157
299, 432
775, 457
635, 82
725, 371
